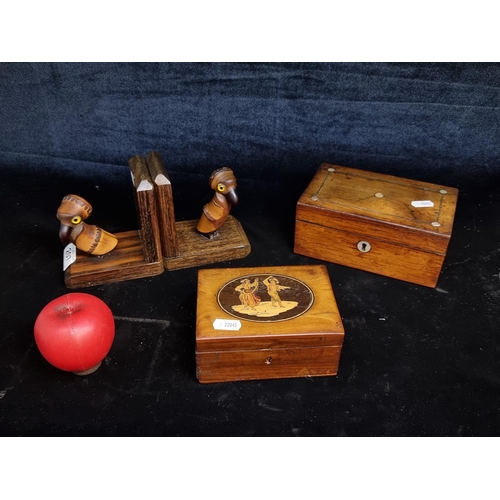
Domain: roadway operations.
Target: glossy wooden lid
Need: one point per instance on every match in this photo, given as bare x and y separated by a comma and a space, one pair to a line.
313, 321
395, 209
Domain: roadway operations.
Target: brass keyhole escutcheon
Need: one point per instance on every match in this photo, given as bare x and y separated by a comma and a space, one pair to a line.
269, 360
364, 246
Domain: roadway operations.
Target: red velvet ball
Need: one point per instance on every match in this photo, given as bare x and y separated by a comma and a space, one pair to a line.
75, 332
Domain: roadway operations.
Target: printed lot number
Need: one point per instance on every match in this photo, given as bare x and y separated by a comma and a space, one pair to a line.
227, 324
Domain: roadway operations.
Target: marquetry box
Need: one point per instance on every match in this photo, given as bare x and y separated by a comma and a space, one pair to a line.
266, 323
388, 225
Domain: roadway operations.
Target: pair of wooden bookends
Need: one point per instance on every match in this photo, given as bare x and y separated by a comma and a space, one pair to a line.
160, 242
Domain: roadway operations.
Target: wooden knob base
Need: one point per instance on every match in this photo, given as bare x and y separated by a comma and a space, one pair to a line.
89, 371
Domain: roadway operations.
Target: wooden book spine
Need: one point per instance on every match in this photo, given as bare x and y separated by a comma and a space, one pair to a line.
165, 204
146, 208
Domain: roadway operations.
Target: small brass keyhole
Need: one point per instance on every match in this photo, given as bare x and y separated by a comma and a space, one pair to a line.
269, 360
364, 246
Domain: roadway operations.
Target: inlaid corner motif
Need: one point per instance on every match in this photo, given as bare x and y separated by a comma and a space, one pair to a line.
265, 297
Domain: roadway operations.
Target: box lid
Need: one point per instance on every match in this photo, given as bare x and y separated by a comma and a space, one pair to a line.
407, 212
266, 308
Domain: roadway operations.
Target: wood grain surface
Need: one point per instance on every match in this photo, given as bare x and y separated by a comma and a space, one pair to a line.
164, 204
124, 263
408, 224
306, 345
387, 259
194, 249
267, 364
146, 209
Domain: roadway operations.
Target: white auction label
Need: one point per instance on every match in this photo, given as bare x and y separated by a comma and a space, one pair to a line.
422, 203
69, 255
227, 324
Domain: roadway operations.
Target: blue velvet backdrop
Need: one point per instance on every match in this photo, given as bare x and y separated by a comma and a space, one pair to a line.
398, 118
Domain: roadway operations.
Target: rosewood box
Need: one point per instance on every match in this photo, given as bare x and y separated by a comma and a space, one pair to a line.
266, 323
387, 225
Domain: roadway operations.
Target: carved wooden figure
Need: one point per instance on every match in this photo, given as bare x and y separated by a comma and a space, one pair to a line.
137, 253
160, 242
89, 238
215, 213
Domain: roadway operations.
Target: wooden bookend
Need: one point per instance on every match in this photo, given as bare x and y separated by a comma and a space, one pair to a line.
138, 252
146, 209
161, 242
165, 205
182, 244
196, 250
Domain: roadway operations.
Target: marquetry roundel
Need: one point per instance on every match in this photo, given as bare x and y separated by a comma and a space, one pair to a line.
265, 297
